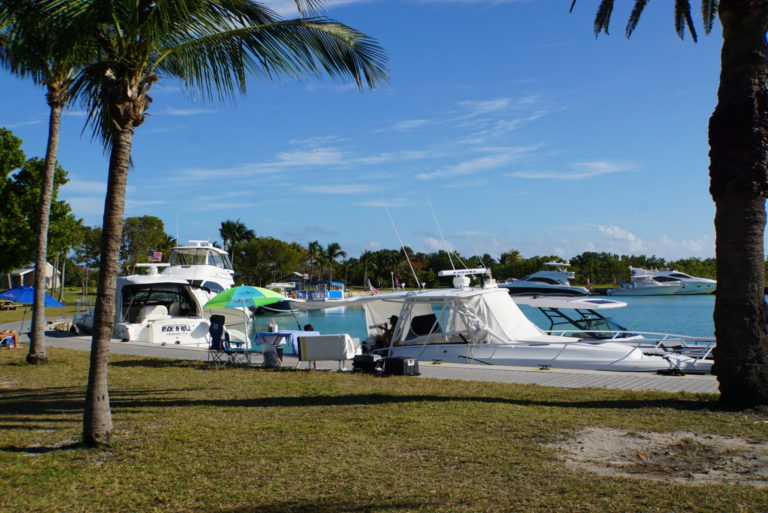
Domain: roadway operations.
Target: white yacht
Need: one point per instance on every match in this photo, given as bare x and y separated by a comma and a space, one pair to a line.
645, 285
483, 325
166, 306
587, 318
690, 284
554, 279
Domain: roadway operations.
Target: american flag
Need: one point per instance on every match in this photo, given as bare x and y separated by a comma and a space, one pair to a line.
373, 289
155, 256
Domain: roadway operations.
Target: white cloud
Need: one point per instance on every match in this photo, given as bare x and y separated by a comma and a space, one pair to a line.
173, 111
85, 187
582, 170
615, 232
469, 167
20, 124
337, 189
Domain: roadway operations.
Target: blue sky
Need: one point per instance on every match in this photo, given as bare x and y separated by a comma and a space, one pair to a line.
520, 128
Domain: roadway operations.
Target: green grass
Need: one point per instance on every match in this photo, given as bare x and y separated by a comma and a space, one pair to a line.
190, 438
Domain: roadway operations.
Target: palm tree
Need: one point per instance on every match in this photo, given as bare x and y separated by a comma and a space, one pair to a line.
738, 136
212, 46
332, 253
30, 47
314, 254
233, 232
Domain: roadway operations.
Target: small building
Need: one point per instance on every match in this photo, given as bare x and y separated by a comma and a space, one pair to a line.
26, 276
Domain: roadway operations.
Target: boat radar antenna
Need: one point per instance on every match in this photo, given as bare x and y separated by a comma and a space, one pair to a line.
461, 277
200, 242
402, 246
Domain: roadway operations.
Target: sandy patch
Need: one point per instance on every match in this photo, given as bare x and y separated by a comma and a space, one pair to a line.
680, 456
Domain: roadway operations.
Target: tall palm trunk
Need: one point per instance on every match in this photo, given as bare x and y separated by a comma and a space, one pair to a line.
97, 421
57, 98
738, 137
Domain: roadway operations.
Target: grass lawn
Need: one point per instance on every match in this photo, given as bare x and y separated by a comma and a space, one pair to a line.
189, 438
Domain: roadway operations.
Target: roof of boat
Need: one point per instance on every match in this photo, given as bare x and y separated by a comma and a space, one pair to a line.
590, 303
199, 244
143, 279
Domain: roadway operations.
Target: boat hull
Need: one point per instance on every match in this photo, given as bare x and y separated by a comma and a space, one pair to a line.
661, 290
606, 356
527, 290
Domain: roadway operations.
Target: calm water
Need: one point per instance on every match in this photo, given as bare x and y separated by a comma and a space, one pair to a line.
681, 315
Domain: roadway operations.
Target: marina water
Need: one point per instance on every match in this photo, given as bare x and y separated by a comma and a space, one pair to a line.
680, 315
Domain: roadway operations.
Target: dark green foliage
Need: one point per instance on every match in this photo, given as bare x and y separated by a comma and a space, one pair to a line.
141, 235
20, 190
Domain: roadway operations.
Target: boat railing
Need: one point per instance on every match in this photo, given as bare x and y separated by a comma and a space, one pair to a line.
697, 347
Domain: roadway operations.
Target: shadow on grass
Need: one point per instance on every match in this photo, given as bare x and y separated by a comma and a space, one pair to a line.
68, 400
338, 506
154, 363
40, 449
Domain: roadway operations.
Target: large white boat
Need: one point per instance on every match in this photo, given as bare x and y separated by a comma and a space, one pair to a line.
166, 306
483, 325
645, 285
689, 284
587, 318
554, 279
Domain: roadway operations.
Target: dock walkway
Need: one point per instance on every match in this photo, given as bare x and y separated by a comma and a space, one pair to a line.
500, 374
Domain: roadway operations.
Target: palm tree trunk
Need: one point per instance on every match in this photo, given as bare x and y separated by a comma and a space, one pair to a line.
38, 354
738, 137
97, 420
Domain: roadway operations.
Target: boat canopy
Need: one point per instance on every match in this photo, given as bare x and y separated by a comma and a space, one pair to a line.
452, 316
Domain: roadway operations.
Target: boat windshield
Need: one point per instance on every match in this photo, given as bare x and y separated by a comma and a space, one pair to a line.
199, 256
175, 299
584, 323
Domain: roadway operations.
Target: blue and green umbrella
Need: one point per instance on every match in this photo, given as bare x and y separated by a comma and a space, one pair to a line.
244, 296
241, 298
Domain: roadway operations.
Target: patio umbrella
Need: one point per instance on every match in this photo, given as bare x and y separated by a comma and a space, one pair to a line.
25, 294
243, 297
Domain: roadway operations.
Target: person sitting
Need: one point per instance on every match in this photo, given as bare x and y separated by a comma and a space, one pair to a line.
385, 338
309, 327
9, 339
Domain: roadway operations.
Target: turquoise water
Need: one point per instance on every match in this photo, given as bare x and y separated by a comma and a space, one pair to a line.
681, 315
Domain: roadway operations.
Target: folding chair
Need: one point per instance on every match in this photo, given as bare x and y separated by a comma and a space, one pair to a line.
218, 350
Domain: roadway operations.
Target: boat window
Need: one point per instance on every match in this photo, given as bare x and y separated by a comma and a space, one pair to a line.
679, 275
213, 287
189, 256
423, 325
135, 297
216, 259
541, 279
665, 279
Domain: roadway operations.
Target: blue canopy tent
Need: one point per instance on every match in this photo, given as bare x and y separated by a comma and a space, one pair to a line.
25, 294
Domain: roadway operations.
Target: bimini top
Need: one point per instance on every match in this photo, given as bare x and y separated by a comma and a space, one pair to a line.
471, 316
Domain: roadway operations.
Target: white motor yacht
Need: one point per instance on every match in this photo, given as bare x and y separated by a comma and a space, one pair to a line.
165, 306
586, 318
554, 279
483, 325
689, 284
645, 285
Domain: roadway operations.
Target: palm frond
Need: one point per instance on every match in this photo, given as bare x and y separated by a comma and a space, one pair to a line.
603, 16
634, 16
709, 13
684, 19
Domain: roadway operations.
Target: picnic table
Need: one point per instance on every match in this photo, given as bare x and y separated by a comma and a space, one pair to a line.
8, 305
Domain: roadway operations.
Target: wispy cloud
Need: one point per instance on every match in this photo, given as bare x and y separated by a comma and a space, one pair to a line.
581, 170
476, 165
21, 124
173, 111
338, 189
